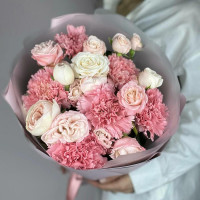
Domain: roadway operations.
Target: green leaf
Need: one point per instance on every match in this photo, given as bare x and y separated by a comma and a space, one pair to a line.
131, 53
52, 78
110, 40
125, 135
148, 87
67, 87
119, 54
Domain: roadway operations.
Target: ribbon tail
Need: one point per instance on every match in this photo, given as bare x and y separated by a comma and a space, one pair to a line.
73, 186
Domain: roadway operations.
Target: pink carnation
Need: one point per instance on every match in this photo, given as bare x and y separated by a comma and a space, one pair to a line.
73, 41
122, 70
154, 116
84, 155
103, 110
42, 87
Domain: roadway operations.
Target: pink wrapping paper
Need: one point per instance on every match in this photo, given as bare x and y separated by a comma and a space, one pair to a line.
103, 26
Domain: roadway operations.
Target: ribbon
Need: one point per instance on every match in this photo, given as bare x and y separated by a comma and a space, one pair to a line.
73, 186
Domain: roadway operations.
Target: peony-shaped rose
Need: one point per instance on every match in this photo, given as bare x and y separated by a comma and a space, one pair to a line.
70, 126
89, 64
103, 137
149, 78
125, 146
136, 43
121, 44
47, 53
75, 92
132, 97
63, 73
94, 45
40, 116
86, 154
90, 83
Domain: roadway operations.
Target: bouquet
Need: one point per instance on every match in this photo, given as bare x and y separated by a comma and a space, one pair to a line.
88, 105
100, 98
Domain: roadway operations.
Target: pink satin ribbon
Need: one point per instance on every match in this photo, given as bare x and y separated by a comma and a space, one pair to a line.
73, 186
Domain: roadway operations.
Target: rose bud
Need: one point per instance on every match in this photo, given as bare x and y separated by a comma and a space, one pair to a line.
40, 116
149, 78
136, 43
125, 146
47, 54
94, 45
63, 73
121, 44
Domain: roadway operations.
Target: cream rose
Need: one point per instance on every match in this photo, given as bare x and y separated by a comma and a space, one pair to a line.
40, 116
90, 83
103, 137
121, 44
125, 146
63, 73
136, 43
71, 126
88, 64
94, 45
149, 78
133, 97
75, 91
47, 54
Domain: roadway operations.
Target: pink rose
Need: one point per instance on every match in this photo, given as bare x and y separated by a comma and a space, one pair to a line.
47, 54
70, 126
94, 45
40, 116
136, 43
103, 137
125, 146
121, 43
132, 97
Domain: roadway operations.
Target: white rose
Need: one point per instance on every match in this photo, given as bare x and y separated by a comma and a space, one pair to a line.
63, 73
149, 78
40, 116
88, 64
90, 83
121, 44
136, 43
94, 45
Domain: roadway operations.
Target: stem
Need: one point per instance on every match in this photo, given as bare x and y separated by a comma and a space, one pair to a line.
135, 129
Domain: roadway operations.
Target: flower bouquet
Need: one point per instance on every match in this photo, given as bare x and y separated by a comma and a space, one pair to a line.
88, 97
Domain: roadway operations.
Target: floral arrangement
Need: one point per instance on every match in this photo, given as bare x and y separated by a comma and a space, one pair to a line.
88, 105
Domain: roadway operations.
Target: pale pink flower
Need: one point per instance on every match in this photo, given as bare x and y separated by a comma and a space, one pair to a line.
136, 43
40, 116
70, 126
42, 87
94, 45
102, 109
47, 53
73, 41
125, 146
122, 70
154, 116
121, 44
84, 155
132, 97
